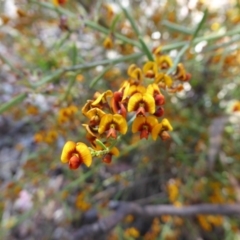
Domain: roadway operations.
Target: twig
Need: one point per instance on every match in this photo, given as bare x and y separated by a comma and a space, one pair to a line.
104, 225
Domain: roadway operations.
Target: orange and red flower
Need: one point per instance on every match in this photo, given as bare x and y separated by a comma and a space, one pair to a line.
111, 124
161, 129
141, 103
144, 125
75, 154
150, 69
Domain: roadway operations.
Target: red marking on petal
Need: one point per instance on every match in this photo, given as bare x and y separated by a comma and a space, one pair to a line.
140, 111
112, 133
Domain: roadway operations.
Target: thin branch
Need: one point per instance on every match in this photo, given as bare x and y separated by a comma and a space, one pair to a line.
104, 225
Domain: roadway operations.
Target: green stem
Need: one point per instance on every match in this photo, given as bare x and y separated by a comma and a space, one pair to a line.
146, 49
104, 30
101, 144
200, 39
104, 62
14, 101
70, 85
144, 46
130, 18
6, 61
88, 23
177, 28
178, 58
50, 78
199, 26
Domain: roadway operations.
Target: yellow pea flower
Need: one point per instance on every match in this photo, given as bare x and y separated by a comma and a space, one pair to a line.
131, 68
76, 153
162, 128
154, 90
113, 123
108, 43
141, 103
150, 69
136, 76
181, 73
95, 115
101, 100
164, 61
163, 80
87, 106
144, 125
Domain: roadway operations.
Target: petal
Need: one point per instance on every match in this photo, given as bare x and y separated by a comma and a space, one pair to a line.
137, 123
157, 51
150, 67
121, 123
102, 97
95, 111
164, 61
135, 89
133, 102
168, 80
115, 101
84, 153
136, 74
125, 91
159, 77
151, 121
114, 151
156, 130
149, 103
153, 89
108, 43
166, 125
105, 121
68, 150
131, 68
180, 72
87, 107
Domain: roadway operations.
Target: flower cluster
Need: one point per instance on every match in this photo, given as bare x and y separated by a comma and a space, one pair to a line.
139, 101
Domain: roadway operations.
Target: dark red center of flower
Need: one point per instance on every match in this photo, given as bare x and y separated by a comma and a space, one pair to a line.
74, 162
141, 109
112, 132
144, 132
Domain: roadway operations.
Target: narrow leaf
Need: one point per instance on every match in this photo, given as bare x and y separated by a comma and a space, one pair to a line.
14, 101
50, 78
199, 26
146, 50
177, 28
